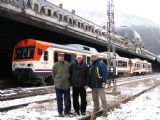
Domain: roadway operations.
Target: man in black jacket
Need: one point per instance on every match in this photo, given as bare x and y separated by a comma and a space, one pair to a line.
79, 73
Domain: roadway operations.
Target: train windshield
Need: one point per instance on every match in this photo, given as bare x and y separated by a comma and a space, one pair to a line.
122, 64
24, 53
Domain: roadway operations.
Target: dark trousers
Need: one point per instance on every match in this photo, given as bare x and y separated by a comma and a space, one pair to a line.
79, 91
63, 95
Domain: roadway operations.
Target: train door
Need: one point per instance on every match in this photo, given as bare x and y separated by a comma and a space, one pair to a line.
47, 58
87, 59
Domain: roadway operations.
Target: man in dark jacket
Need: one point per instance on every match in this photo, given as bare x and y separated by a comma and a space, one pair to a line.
79, 74
60, 74
97, 81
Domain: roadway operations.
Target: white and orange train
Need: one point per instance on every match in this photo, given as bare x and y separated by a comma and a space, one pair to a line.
138, 67
33, 60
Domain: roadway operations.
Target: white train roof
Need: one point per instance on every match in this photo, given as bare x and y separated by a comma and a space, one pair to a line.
111, 53
83, 48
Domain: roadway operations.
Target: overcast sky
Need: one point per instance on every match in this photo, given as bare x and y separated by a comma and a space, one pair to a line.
96, 10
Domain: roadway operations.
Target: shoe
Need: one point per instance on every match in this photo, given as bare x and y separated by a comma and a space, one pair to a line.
104, 114
77, 113
83, 113
68, 113
60, 115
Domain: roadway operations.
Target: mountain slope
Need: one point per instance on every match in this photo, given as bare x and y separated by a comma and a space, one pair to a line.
150, 36
148, 30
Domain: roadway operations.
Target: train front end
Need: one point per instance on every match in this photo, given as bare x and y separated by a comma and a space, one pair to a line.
24, 60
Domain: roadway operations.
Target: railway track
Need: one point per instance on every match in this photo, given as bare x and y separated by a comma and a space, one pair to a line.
17, 93
111, 107
50, 96
122, 97
12, 83
7, 84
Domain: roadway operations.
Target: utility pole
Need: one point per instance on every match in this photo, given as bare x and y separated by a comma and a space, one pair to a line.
111, 49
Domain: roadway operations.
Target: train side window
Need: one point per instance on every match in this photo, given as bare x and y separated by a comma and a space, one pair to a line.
122, 63
68, 58
138, 65
45, 55
39, 51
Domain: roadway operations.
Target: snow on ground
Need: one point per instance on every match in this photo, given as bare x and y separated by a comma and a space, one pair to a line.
145, 107
45, 111
14, 91
26, 100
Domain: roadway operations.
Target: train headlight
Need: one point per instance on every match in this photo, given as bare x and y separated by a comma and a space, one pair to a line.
14, 65
30, 65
